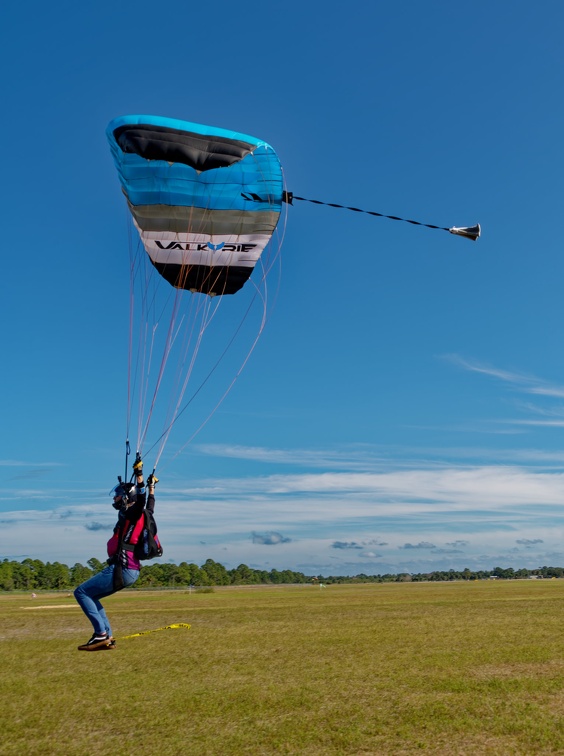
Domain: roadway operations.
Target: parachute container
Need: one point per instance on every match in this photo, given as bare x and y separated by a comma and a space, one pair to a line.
205, 200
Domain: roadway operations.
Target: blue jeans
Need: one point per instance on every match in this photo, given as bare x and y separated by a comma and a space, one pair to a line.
98, 587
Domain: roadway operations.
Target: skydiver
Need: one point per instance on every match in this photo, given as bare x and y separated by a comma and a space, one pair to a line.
123, 566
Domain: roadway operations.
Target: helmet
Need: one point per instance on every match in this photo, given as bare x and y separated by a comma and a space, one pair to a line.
122, 495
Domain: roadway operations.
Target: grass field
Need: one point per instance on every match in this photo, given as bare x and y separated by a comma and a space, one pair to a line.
444, 668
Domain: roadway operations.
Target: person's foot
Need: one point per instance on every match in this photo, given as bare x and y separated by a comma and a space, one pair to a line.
109, 647
98, 640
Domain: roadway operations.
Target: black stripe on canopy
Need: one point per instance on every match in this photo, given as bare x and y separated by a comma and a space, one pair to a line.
199, 151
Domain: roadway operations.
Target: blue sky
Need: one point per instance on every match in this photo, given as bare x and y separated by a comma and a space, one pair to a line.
403, 409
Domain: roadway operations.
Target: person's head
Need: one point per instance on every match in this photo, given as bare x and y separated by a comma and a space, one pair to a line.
123, 496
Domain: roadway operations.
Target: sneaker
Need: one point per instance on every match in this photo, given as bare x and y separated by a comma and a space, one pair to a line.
96, 641
110, 646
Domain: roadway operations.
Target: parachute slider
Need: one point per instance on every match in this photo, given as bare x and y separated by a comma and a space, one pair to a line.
469, 232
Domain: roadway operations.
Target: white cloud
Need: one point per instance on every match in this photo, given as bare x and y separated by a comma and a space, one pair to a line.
539, 423
351, 457
527, 383
417, 514
496, 486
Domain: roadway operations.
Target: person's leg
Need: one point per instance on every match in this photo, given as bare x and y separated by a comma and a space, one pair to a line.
129, 577
104, 618
88, 595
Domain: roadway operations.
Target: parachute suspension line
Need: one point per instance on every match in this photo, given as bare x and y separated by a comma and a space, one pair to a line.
148, 332
199, 322
143, 362
130, 335
239, 371
266, 263
198, 312
468, 232
167, 348
139, 323
266, 266
127, 453
188, 351
264, 298
198, 319
138, 327
136, 259
147, 361
207, 316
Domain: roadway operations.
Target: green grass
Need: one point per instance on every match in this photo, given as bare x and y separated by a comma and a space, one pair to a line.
455, 668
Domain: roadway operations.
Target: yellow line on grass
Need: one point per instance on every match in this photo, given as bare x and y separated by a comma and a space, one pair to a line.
176, 626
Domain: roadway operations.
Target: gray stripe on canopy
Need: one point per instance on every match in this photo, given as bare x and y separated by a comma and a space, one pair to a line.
214, 222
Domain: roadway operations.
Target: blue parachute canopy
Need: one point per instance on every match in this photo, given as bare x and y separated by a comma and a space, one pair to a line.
205, 200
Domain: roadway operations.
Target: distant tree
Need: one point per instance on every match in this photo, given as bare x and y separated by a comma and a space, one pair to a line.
216, 572
79, 573
150, 576
55, 576
35, 566
274, 576
6, 576
171, 575
244, 575
34, 574
184, 574
507, 574
95, 565
261, 576
288, 576
24, 576
198, 576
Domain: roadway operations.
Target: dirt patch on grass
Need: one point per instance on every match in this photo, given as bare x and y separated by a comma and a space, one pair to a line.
52, 606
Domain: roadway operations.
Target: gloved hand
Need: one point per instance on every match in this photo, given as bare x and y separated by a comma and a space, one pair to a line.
152, 480
138, 465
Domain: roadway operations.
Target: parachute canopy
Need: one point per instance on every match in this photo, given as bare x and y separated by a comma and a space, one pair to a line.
205, 200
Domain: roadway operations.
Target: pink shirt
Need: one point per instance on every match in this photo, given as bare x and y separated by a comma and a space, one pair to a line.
131, 561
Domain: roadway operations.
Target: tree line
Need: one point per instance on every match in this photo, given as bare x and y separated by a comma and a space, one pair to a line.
33, 574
